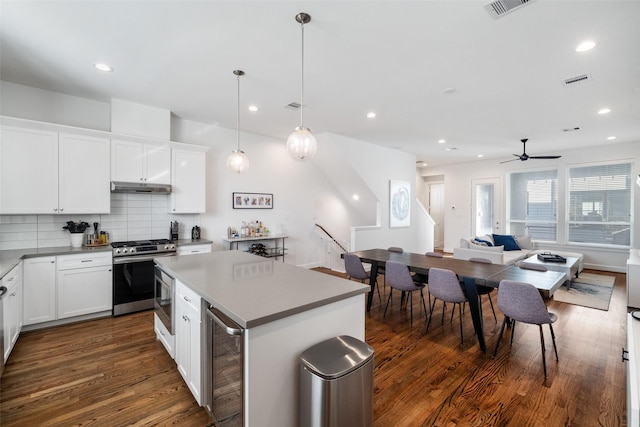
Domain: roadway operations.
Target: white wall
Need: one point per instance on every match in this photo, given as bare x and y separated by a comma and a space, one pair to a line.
458, 194
305, 193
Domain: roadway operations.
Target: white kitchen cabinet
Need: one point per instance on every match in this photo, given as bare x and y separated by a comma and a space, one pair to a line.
12, 308
84, 284
47, 172
39, 290
163, 335
84, 174
194, 249
188, 338
188, 181
28, 171
633, 278
138, 162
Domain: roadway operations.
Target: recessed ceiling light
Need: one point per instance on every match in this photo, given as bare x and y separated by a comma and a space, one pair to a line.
356, 197
441, 141
450, 148
585, 46
611, 138
253, 108
103, 67
371, 115
604, 111
480, 155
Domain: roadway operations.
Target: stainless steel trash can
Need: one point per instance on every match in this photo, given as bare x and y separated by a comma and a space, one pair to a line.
336, 384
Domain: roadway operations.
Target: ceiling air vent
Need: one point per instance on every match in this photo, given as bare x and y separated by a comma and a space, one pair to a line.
292, 106
582, 78
500, 7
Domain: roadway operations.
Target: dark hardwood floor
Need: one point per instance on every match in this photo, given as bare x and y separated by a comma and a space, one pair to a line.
112, 372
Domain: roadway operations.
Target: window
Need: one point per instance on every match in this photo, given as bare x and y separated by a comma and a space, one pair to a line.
600, 204
533, 204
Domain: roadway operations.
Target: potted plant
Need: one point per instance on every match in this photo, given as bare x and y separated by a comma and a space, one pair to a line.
77, 232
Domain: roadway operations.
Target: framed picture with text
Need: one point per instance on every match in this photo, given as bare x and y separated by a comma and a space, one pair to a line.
252, 201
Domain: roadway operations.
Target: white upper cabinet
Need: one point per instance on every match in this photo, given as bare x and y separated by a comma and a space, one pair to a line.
28, 176
137, 162
46, 172
188, 181
84, 174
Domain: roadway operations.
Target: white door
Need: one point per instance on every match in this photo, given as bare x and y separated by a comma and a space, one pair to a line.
436, 210
486, 206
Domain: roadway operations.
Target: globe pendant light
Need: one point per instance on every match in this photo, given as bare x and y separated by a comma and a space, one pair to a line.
237, 160
301, 144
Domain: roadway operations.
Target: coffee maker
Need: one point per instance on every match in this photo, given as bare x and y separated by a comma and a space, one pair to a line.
174, 230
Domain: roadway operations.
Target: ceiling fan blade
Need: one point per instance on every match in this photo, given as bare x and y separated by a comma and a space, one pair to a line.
544, 157
512, 160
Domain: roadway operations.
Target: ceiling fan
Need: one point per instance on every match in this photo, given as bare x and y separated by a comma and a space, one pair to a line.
524, 156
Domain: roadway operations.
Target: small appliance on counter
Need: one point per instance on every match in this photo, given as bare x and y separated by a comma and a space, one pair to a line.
174, 230
195, 233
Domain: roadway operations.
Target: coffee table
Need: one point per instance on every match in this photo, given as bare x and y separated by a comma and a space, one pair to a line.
569, 268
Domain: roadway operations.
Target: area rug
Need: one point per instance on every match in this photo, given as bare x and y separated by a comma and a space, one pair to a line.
588, 290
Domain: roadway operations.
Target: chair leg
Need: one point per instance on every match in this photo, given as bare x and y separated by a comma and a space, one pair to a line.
492, 309
431, 312
460, 315
544, 362
513, 331
424, 307
387, 306
377, 288
553, 338
410, 302
504, 323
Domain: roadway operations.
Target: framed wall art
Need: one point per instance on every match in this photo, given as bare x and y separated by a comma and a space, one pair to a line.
252, 201
399, 204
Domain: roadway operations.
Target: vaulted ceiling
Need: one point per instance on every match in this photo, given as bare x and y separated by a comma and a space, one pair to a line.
430, 70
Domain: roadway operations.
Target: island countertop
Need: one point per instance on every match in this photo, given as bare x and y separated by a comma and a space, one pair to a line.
252, 290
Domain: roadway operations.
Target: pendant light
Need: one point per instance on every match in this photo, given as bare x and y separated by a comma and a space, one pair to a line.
237, 160
301, 144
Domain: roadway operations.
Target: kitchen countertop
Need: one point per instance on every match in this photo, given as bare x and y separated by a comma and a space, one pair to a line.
252, 290
11, 258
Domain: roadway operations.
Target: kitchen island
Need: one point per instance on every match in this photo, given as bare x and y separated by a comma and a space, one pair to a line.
283, 310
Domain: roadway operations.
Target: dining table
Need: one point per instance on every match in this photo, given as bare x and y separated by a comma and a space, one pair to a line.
471, 274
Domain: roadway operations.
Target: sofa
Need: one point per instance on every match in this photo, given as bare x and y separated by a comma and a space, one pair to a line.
516, 249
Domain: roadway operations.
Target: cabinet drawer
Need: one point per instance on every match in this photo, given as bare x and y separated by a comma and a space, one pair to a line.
67, 262
12, 277
187, 296
194, 249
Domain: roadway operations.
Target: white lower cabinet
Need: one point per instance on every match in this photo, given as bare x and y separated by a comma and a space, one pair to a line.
194, 249
164, 336
66, 286
12, 308
188, 338
39, 290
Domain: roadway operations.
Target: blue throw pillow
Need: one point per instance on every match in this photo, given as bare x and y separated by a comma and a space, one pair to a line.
509, 242
486, 242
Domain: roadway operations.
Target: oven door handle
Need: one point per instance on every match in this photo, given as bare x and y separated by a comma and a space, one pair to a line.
139, 258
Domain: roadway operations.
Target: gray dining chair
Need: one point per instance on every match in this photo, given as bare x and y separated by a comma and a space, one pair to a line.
522, 302
399, 278
444, 285
382, 268
355, 270
485, 290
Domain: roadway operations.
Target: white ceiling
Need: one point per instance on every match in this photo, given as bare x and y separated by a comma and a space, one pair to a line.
396, 58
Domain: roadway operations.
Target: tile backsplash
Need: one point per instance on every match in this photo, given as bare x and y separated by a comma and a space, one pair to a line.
132, 217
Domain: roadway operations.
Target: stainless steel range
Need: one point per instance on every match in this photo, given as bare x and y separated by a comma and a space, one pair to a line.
133, 275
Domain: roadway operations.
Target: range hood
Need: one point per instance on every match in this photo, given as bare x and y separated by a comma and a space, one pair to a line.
134, 187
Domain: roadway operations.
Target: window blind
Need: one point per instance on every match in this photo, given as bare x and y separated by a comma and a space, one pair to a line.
533, 204
599, 209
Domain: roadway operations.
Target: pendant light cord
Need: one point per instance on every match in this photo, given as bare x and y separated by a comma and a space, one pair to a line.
238, 116
302, 79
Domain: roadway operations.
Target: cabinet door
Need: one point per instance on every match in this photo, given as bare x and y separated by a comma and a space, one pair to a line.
84, 291
12, 309
84, 174
157, 164
188, 182
126, 161
28, 171
188, 347
39, 290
